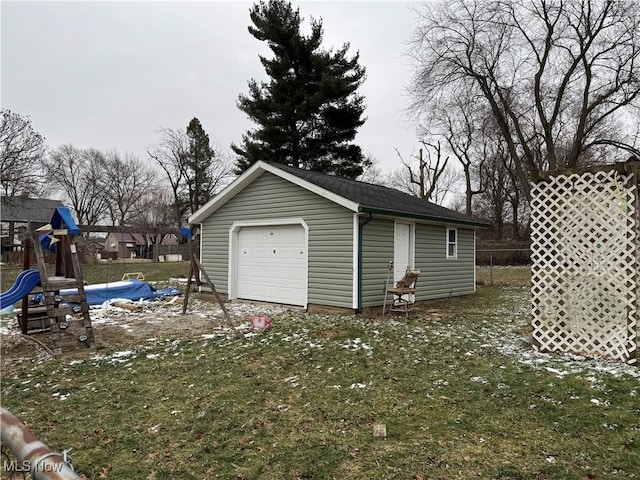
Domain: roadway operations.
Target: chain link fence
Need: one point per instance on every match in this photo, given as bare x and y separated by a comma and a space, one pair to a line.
488, 259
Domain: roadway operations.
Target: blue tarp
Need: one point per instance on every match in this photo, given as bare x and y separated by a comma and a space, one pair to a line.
129, 289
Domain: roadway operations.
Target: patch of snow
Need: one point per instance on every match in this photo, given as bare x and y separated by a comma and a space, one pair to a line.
359, 385
479, 380
559, 373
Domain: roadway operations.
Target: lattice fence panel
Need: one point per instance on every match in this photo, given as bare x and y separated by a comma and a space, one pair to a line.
585, 264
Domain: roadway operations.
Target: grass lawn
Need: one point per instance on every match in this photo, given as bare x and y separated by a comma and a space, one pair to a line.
460, 391
106, 272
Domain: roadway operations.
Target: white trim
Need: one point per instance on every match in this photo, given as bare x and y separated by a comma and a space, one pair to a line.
412, 250
412, 240
234, 230
250, 175
356, 266
446, 244
475, 279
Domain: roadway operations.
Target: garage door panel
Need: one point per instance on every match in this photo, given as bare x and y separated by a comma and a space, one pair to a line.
272, 264
300, 274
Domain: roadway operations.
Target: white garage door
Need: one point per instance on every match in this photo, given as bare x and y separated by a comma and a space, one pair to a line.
272, 264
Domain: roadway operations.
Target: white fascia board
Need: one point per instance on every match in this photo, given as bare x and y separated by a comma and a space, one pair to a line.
475, 262
254, 172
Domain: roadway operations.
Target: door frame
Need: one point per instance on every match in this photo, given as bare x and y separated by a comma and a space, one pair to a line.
411, 246
411, 253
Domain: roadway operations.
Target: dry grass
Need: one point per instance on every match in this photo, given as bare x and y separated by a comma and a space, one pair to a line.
504, 276
459, 389
108, 272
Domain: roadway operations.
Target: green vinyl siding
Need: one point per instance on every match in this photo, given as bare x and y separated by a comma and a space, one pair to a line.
441, 276
377, 252
330, 257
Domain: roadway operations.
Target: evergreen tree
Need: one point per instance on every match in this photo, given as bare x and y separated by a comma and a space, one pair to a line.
198, 167
309, 112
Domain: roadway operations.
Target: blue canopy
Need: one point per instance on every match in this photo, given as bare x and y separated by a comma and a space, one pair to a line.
60, 220
186, 231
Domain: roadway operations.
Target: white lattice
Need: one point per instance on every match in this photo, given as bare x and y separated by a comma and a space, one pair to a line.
585, 264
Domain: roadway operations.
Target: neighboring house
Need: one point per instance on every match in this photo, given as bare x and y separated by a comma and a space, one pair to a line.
124, 245
27, 212
21, 214
135, 245
284, 235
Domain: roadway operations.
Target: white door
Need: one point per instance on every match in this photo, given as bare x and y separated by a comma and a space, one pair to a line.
402, 251
272, 264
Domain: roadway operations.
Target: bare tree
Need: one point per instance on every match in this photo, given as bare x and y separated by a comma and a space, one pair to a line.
373, 172
22, 150
494, 198
157, 209
193, 177
78, 173
558, 77
171, 155
429, 176
490, 178
462, 126
127, 183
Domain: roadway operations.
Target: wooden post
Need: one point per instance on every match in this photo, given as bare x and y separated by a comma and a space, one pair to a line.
26, 247
189, 281
195, 267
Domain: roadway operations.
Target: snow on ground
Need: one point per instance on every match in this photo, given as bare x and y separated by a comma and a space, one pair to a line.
499, 328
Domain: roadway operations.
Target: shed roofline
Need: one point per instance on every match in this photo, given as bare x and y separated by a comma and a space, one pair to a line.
258, 168
250, 175
426, 218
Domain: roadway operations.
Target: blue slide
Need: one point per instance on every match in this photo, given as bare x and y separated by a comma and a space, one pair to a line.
26, 281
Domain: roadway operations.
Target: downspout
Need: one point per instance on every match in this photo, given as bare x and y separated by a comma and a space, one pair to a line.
360, 229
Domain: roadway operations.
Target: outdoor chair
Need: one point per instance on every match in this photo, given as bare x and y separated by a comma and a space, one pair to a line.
400, 292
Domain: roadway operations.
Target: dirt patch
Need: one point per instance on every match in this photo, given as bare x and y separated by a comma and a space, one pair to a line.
116, 328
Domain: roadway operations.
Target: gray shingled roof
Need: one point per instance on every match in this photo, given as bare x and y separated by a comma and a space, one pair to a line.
28, 210
380, 199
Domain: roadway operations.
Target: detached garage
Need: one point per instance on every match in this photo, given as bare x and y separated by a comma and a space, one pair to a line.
297, 237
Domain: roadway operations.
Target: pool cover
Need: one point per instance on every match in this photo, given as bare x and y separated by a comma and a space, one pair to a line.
134, 290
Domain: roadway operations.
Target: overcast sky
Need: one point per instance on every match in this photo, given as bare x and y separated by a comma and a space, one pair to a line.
108, 75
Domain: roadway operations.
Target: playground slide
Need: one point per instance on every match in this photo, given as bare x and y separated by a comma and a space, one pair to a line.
25, 282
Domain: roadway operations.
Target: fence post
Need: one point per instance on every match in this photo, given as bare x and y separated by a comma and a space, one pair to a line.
491, 268
43, 463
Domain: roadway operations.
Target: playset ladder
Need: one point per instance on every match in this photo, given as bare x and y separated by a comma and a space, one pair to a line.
67, 334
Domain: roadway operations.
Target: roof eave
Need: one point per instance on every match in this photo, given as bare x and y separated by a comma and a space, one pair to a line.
430, 218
